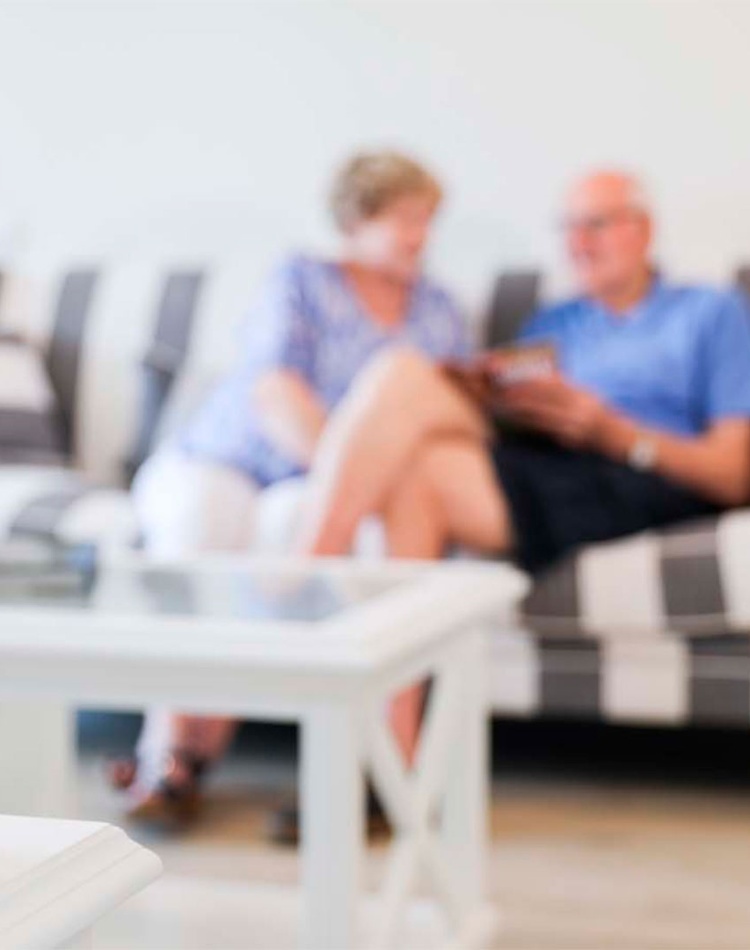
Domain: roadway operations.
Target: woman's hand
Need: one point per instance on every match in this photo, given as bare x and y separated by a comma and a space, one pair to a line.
571, 416
291, 414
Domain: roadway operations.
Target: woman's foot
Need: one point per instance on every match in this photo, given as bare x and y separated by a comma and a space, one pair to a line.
284, 822
121, 773
164, 794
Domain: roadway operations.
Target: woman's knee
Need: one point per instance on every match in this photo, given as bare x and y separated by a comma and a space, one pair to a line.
392, 371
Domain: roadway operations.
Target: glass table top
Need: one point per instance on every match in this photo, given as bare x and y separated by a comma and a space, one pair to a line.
241, 591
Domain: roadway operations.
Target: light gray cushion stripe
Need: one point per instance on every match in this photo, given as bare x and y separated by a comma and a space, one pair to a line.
554, 595
42, 516
64, 358
690, 572
570, 681
719, 687
28, 429
165, 357
177, 307
717, 700
11, 455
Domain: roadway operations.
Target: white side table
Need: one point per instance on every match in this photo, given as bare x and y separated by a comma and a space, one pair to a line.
57, 878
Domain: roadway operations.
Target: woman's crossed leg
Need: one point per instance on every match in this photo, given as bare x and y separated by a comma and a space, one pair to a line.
406, 445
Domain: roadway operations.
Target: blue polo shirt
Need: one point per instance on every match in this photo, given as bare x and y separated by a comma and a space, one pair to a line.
678, 361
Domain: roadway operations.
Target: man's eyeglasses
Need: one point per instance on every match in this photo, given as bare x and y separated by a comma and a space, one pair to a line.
597, 223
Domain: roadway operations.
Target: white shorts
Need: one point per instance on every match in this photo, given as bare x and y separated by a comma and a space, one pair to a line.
185, 505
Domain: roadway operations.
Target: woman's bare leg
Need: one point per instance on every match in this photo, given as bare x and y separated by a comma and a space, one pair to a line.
400, 400
451, 495
164, 731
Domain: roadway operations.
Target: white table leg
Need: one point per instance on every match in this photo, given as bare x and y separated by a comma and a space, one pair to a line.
332, 798
37, 743
83, 940
465, 824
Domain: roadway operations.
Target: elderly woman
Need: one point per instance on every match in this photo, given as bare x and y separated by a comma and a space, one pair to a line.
317, 324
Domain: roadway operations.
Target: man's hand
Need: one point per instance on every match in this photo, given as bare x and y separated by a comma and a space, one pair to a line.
472, 379
714, 464
573, 417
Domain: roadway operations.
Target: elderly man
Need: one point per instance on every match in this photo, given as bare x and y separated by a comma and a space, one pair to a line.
646, 423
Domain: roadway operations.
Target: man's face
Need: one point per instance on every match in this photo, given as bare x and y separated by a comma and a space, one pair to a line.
606, 238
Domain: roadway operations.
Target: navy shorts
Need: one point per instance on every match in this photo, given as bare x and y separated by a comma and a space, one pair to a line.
561, 499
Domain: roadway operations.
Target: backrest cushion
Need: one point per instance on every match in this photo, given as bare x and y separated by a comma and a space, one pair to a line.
131, 348
742, 278
517, 294
30, 430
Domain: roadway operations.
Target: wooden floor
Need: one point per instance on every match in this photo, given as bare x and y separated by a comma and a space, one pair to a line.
580, 860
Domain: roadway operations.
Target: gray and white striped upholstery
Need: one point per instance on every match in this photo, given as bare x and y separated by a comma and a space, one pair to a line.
47, 502
30, 426
653, 629
104, 328
692, 578
129, 350
671, 680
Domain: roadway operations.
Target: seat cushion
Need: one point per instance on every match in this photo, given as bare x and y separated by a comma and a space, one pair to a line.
690, 580
30, 430
57, 503
671, 680
654, 629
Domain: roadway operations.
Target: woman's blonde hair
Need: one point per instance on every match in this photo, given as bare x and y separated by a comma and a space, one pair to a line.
371, 181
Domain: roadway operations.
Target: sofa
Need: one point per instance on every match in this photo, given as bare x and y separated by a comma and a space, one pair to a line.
652, 629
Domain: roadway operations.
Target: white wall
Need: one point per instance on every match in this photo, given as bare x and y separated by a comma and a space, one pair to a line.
212, 125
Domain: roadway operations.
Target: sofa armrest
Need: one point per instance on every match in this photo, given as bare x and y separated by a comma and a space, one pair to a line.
58, 504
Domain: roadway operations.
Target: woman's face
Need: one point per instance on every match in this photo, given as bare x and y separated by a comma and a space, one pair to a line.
394, 240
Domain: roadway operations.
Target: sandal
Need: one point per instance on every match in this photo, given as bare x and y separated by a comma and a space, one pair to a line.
283, 827
169, 798
121, 773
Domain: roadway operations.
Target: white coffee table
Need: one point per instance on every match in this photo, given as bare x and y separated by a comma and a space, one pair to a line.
57, 878
321, 643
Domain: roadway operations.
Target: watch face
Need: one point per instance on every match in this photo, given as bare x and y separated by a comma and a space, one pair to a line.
642, 455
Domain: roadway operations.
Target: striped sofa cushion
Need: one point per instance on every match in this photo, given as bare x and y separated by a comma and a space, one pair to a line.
30, 430
650, 629
56, 503
666, 680
130, 348
690, 579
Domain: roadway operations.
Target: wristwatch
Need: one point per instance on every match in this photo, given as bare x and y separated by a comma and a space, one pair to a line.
642, 454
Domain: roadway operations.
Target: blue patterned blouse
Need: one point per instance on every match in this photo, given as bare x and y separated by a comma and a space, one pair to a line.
309, 319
